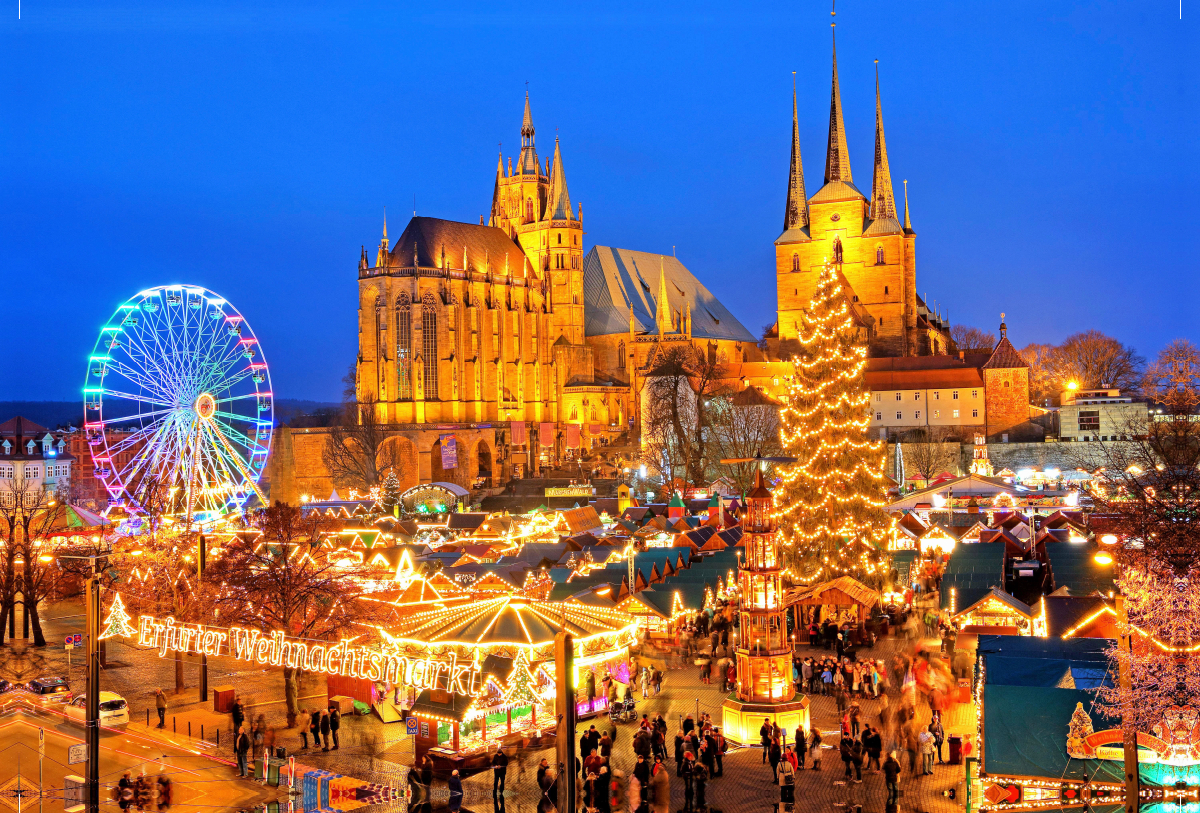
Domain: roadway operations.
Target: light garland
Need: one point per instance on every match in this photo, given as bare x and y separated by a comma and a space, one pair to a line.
829, 503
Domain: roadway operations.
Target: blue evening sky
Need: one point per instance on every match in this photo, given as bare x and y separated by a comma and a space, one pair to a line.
251, 148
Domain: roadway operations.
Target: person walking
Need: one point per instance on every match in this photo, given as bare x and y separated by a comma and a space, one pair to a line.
814, 749
689, 787
499, 772
160, 705
787, 779
238, 713
303, 719
844, 752
925, 740
721, 746
873, 742
314, 727
335, 722
660, 782
776, 754
456, 791
891, 775
241, 747
679, 740
325, 729
939, 736
764, 734
856, 759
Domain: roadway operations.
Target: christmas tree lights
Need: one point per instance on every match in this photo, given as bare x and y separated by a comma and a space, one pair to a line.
117, 623
829, 503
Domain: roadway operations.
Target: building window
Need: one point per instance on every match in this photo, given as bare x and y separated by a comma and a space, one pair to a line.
1089, 420
528, 210
916, 396
33, 472
918, 414
937, 413
621, 354
954, 395
879, 255
974, 393
560, 239
878, 397
429, 346
974, 413
879, 416
404, 347
898, 396
795, 262
885, 290
899, 415
954, 414
937, 396
1007, 384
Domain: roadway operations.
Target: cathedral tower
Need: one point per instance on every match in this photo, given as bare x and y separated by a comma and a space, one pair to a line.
531, 203
861, 235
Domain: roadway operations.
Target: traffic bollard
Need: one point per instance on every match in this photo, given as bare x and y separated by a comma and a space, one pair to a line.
173, 729
189, 729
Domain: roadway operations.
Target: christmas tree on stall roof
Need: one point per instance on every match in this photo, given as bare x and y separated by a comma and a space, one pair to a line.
117, 623
829, 505
389, 500
521, 689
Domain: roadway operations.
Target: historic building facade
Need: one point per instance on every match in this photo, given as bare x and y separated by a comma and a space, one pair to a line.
863, 236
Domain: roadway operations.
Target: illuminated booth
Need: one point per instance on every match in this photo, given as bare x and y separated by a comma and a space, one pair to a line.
497, 656
764, 650
845, 601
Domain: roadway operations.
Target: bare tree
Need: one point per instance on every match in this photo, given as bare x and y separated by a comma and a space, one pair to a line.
740, 426
682, 381
356, 450
1092, 360
929, 451
24, 505
281, 582
972, 339
1042, 390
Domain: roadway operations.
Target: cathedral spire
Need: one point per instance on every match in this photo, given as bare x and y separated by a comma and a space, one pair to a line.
837, 156
662, 313
497, 218
795, 213
883, 201
528, 162
382, 255
559, 206
907, 223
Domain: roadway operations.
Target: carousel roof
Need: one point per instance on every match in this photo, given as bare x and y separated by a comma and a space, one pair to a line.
510, 619
73, 519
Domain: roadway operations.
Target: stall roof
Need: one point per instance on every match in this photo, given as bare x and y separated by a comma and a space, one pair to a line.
508, 619
1073, 566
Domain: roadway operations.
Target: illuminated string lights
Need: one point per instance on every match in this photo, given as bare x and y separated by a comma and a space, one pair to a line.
830, 502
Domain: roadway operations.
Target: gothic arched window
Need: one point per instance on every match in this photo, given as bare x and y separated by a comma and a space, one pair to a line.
528, 210
795, 262
621, 353
879, 255
404, 347
429, 345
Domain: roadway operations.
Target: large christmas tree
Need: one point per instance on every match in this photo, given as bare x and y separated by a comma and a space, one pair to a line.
389, 499
829, 505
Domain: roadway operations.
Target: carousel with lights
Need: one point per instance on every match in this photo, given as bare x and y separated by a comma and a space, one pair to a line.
480, 666
764, 649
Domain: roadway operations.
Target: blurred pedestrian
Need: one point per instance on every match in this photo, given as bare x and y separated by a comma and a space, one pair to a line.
160, 705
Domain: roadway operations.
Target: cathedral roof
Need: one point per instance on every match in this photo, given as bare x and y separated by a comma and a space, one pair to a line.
484, 245
616, 279
796, 234
884, 225
836, 190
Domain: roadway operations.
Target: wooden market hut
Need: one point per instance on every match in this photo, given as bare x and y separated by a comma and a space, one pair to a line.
844, 600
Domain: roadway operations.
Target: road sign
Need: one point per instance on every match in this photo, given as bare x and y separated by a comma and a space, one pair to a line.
77, 754
77, 639
410, 726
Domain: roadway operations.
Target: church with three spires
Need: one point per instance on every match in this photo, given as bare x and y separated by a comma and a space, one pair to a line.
863, 237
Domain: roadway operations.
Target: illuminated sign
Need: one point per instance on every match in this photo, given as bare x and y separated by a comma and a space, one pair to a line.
277, 649
570, 491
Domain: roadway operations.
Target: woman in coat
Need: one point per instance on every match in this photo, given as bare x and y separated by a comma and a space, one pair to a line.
661, 782
456, 792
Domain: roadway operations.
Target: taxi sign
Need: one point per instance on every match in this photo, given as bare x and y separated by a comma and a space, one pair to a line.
410, 726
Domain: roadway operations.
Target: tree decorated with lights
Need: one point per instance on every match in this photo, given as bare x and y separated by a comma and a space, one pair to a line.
390, 499
521, 688
117, 623
829, 503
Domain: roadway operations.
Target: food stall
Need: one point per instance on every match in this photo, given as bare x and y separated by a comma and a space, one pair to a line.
844, 600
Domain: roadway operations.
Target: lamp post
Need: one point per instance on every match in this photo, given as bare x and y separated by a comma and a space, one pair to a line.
92, 681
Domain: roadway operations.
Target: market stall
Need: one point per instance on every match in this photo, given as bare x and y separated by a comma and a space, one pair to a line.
845, 601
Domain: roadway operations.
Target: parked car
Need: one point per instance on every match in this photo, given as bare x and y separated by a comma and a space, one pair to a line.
54, 689
113, 709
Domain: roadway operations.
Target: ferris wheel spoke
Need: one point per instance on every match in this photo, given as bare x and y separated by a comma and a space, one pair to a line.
239, 437
141, 399
140, 378
138, 418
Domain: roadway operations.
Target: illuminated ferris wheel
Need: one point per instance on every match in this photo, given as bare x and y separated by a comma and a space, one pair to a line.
178, 406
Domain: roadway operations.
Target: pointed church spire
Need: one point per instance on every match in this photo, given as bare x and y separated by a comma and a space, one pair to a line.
559, 205
663, 307
528, 162
497, 217
381, 256
795, 213
837, 156
907, 223
883, 201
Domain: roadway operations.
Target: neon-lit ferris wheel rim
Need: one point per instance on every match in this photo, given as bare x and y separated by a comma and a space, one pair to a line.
178, 406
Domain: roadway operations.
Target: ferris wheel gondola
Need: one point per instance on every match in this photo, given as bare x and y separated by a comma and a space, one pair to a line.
178, 407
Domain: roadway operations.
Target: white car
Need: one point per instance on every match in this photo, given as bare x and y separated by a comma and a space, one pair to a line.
113, 709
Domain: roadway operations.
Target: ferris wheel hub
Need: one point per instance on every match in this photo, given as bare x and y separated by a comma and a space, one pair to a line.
206, 406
